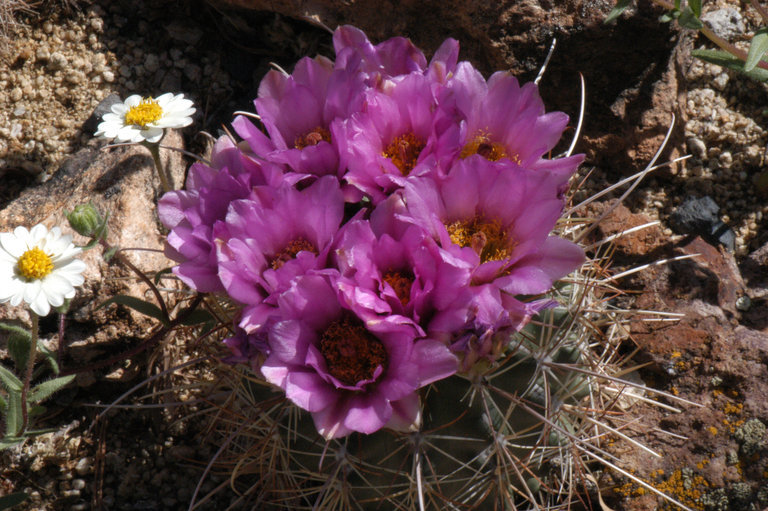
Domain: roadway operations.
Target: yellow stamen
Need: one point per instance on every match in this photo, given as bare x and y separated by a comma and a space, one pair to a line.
290, 251
487, 238
404, 152
313, 137
146, 112
34, 264
482, 144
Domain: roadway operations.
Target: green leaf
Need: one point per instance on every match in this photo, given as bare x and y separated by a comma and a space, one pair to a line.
44, 390
49, 356
8, 442
3, 404
757, 49
140, 306
160, 274
15, 330
9, 380
621, 6
725, 59
695, 6
18, 348
109, 253
688, 19
14, 499
197, 317
667, 17
13, 419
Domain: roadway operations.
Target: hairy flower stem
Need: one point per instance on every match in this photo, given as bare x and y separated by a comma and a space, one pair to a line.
28, 373
166, 182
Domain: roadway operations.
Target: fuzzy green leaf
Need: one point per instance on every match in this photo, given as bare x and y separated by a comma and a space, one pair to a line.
14, 329
9, 380
688, 19
695, 6
621, 6
49, 356
109, 253
8, 442
725, 59
18, 348
18, 343
757, 49
44, 390
14, 499
140, 306
13, 419
3, 404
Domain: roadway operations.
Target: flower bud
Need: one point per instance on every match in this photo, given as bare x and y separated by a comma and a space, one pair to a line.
85, 220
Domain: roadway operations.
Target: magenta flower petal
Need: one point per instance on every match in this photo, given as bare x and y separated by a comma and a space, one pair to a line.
344, 371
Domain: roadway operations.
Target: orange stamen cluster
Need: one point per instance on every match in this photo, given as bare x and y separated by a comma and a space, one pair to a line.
404, 152
482, 144
401, 283
351, 352
488, 238
289, 252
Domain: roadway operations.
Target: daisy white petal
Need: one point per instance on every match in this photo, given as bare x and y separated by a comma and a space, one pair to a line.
38, 267
140, 119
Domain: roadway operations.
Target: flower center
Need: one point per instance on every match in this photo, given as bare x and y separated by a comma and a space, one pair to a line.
487, 238
401, 283
483, 145
34, 264
146, 112
289, 252
312, 137
351, 353
404, 152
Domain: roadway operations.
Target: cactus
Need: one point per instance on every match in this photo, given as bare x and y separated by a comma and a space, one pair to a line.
405, 330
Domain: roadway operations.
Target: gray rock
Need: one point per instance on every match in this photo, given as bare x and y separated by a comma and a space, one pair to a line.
699, 216
92, 123
727, 23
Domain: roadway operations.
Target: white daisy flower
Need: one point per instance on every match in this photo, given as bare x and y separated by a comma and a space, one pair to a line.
144, 119
39, 267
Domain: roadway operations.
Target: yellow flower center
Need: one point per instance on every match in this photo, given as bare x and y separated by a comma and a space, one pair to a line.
483, 145
401, 282
34, 264
312, 137
487, 238
404, 152
147, 111
351, 353
290, 251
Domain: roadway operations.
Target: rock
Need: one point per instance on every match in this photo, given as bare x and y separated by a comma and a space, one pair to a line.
123, 182
751, 436
698, 216
727, 22
697, 147
105, 106
618, 219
